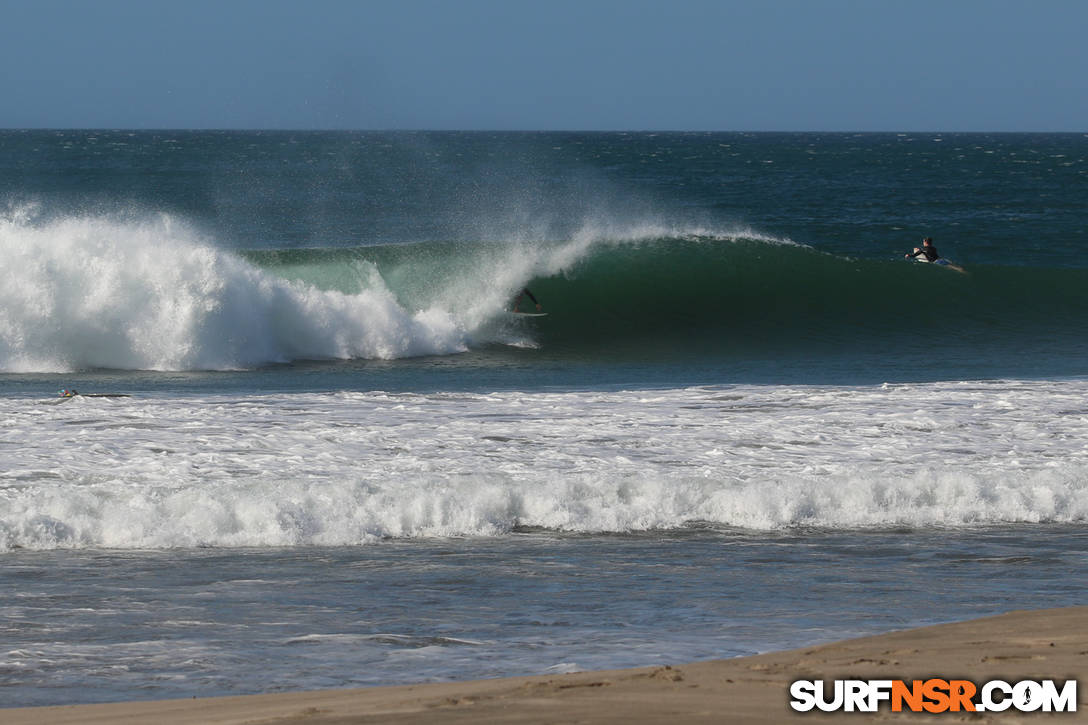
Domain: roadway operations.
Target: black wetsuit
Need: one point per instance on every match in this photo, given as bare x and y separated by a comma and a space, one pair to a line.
527, 292
930, 251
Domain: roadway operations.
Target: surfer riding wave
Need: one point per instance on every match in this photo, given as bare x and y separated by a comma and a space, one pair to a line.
524, 292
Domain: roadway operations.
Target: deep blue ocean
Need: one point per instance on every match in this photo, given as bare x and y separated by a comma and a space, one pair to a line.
311, 431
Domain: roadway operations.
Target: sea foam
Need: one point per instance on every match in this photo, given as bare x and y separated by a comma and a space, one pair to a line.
351, 468
150, 293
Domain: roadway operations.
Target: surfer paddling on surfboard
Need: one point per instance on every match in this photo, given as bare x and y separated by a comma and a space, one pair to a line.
929, 253
525, 291
927, 249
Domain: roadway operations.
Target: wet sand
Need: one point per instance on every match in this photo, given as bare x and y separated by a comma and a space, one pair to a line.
1038, 645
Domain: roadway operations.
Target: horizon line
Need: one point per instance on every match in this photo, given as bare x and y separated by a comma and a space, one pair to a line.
290, 129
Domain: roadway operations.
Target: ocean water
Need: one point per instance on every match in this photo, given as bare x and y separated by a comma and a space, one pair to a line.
314, 448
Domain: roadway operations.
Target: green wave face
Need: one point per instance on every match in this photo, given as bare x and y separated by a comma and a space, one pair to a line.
714, 294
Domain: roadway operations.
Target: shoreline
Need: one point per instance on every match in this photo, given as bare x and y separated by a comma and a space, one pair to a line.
1025, 644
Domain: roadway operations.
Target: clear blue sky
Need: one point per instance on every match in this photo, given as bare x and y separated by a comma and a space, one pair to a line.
867, 65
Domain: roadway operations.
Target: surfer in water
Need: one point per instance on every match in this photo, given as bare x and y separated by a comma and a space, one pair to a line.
525, 291
928, 250
931, 254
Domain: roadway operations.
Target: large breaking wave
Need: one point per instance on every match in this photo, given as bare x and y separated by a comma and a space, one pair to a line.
152, 293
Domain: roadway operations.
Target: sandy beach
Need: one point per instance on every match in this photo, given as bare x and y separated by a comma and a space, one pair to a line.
1020, 645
